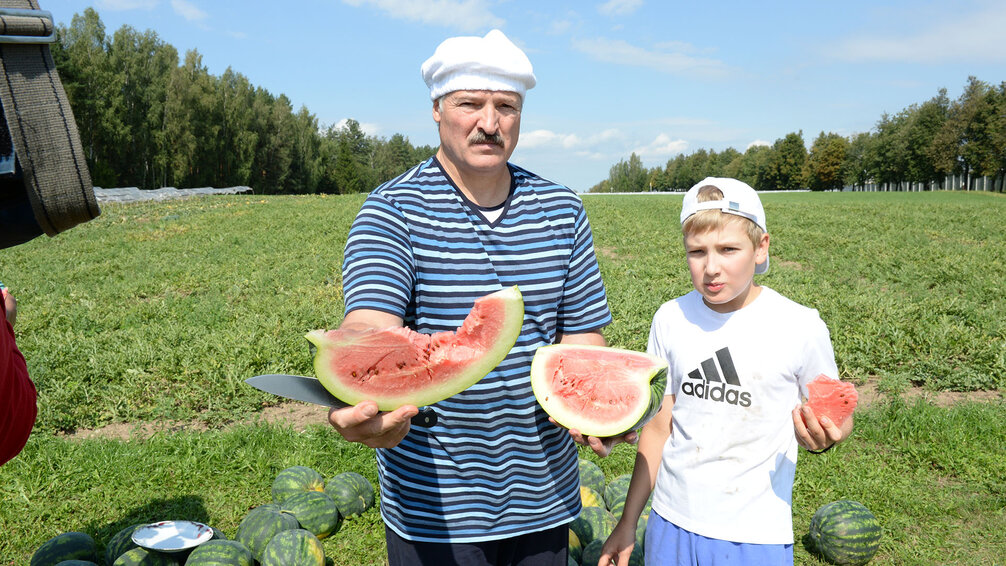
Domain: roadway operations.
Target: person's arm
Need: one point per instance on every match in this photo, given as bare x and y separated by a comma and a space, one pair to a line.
652, 438
601, 446
363, 423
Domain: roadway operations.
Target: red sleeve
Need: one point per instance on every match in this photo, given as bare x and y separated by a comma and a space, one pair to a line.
17, 397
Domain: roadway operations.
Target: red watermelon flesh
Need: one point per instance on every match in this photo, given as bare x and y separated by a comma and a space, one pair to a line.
832, 398
398, 366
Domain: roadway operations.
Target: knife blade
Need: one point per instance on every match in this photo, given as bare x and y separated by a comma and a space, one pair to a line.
310, 390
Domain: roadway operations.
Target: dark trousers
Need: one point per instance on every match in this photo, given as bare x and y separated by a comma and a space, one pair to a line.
542, 548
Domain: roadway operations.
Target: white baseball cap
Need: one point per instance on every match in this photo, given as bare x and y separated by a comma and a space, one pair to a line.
492, 62
738, 198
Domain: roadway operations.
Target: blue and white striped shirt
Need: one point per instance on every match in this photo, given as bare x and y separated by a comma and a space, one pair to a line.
493, 466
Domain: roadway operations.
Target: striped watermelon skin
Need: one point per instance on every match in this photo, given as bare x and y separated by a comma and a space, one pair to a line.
260, 526
142, 557
315, 511
120, 543
589, 497
615, 491
66, 546
294, 480
220, 553
76, 563
296, 547
592, 523
352, 492
845, 532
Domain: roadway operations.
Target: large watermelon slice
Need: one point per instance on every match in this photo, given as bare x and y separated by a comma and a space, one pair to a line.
398, 366
832, 398
597, 390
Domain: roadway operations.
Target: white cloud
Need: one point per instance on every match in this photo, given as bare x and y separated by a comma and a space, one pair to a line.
548, 138
674, 62
368, 128
188, 10
757, 142
966, 37
619, 7
122, 5
662, 147
466, 15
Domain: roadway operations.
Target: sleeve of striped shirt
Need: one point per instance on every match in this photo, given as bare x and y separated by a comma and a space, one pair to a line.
378, 269
584, 304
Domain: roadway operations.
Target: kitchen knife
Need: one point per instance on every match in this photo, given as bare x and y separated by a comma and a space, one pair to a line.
310, 390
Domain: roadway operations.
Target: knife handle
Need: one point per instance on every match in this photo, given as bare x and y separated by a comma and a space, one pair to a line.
425, 417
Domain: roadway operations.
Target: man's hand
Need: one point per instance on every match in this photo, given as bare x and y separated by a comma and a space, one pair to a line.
601, 446
366, 425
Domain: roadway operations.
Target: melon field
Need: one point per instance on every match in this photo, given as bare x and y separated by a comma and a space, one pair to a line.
147, 320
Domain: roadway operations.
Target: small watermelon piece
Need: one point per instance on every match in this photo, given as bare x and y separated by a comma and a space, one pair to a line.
294, 480
591, 475
259, 527
296, 547
592, 523
597, 390
352, 492
66, 546
832, 398
398, 366
315, 511
845, 532
220, 553
140, 556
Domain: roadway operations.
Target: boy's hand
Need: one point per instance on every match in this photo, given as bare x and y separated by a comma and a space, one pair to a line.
601, 446
9, 304
815, 433
618, 547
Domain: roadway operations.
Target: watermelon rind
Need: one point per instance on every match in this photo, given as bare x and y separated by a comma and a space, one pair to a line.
296, 547
591, 475
845, 532
649, 378
66, 546
315, 511
220, 553
294, 480
424, 391
353, 493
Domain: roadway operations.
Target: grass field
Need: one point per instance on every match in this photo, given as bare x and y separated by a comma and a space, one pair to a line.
159, 311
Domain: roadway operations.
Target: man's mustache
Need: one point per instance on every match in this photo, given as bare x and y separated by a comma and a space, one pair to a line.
482, 137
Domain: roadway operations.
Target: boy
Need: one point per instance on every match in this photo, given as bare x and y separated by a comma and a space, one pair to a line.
740, 358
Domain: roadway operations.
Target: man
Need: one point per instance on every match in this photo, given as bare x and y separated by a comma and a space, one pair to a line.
493, 482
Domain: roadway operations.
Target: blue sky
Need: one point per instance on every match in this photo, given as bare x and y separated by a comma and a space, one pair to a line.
614, 76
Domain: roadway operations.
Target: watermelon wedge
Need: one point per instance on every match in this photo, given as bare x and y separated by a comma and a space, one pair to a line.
398, 366
832, 398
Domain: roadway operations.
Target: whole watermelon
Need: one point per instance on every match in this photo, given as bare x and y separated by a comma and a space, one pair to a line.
845, 532
120, 543
296, 547
591, 475
259, 527
66, 546
140, 556
315, 511
294, 480
575, 548
76, 563
616, 490
589, 497
220, 553
593, 523
352, 492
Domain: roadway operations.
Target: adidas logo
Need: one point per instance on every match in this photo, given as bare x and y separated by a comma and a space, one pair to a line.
710, 385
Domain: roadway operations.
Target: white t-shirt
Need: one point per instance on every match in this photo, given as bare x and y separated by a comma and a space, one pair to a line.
727, 469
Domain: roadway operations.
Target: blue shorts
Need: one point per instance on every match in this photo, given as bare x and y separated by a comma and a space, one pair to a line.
669, 545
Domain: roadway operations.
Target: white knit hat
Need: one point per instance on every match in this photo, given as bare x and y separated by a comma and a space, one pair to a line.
492, 62
738, 198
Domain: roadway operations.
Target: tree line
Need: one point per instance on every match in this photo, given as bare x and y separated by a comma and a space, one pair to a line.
148, 119
924, 145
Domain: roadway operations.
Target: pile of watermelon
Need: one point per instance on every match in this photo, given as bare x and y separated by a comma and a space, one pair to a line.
286, 532
603, 502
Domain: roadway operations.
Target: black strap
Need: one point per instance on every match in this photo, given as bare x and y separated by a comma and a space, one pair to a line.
40, 122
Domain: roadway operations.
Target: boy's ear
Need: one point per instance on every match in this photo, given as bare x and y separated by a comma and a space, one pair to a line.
761, 252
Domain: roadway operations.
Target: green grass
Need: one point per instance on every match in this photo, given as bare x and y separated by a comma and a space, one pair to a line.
159, 311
